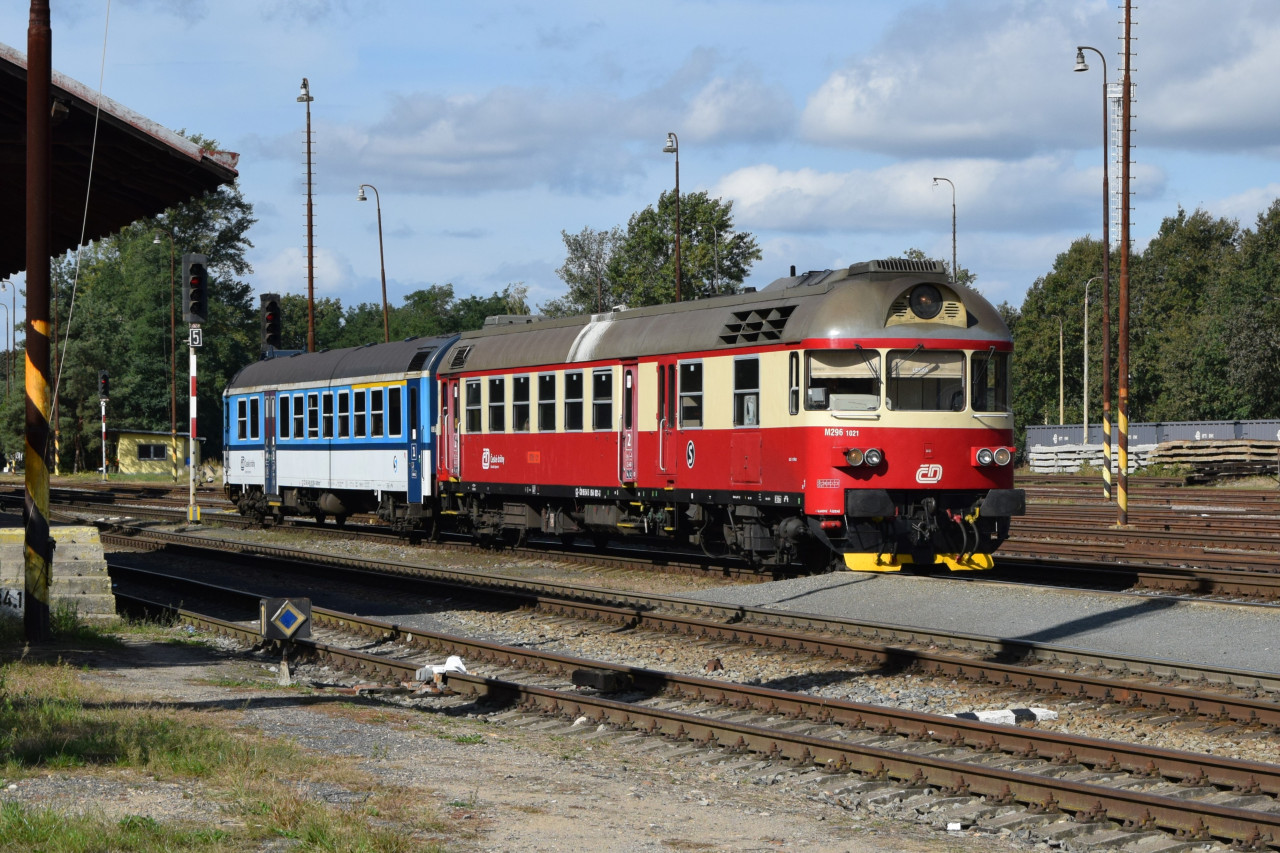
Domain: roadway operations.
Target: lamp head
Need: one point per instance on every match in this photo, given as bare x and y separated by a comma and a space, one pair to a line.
672, 145
360, 196
1081, 65
156, 239
304, 94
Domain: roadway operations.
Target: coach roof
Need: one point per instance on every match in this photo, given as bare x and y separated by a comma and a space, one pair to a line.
370, 362
850, 303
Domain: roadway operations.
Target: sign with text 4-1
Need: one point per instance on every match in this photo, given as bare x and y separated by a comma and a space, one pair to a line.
11, 601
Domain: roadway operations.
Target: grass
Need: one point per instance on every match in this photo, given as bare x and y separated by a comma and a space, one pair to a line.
53, 723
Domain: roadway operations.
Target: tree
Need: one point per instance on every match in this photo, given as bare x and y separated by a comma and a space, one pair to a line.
637, 267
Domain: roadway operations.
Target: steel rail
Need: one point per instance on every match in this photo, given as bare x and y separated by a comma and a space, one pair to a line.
1195, 818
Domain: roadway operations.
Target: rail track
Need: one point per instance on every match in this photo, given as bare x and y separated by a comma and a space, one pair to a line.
960, 769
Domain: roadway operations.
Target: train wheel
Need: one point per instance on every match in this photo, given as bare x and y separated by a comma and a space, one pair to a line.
340, 520
320, 517
600, 541
567, 539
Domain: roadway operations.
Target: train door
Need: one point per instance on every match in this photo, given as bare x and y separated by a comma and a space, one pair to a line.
666, 419
450, 446
414, 427
745, 442
627, 436
269, 445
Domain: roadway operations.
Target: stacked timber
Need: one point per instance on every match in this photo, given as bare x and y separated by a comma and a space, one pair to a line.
1210, 460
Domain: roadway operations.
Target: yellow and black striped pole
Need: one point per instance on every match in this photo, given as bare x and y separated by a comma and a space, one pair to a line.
39, 545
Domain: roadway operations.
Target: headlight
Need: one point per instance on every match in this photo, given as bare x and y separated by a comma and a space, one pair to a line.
874, 457
926, 301
853, 456
985, 457
1003, 456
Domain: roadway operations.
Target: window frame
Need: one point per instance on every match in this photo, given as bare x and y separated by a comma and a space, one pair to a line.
602, 399
496, 405
546, 402
473, 410
520, 403
690, 400
746, 391
573, 405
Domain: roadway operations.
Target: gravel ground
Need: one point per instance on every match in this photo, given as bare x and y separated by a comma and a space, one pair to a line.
519, 788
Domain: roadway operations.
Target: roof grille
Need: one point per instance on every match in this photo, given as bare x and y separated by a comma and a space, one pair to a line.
459, 357
756, 324
420, 358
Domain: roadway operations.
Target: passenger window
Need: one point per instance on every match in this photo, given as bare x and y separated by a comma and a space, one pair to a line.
497, 405
473, 405
793, 383
344, 415
691, 394
573, 401
299, 417
547, 402
746, 391
313, 415
326, 415
395, 413
375, 413
255, 413
844, 380
520, 403
926, 380
284, 419
358, 407
602, 399
242, 419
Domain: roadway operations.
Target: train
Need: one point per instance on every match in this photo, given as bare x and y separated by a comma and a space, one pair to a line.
853, 418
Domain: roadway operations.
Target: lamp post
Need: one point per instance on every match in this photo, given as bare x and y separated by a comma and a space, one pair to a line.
304, 96
955, 270
1106, 268
7, 326
173, 365
8, 355
1061, 377
673, 147
377, 202
1085, 439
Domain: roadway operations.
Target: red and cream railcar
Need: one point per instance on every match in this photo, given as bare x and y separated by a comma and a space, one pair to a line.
858, 417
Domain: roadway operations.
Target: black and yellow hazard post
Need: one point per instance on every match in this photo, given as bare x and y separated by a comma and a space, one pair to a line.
39, 544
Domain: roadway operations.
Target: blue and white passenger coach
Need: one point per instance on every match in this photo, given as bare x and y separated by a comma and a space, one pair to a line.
334, 433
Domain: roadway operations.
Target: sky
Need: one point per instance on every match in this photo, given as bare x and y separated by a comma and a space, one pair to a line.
488, 128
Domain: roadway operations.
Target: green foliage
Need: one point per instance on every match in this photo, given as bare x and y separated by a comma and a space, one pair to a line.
637, 267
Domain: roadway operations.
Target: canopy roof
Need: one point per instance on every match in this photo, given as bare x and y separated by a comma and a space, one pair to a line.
140, 168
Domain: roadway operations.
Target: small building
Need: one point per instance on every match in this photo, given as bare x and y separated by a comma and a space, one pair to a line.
139, 451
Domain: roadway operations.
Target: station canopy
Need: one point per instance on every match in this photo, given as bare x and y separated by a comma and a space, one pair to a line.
140, 168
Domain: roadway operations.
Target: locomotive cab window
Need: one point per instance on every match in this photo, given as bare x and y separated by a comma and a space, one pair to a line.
547, 402
473, 421
691, 394
843, 380
602, 399
520, 403
926, 380
573, 401
990, 381
746, 391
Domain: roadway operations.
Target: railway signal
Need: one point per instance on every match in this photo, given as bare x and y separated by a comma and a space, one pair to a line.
195, 288
103, 385
271, 322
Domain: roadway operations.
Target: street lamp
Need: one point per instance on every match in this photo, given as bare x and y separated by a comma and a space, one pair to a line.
304, 97
377, 202
955, 270
173, 365
1081, 65
673, 147
1085, 440
1062, 416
